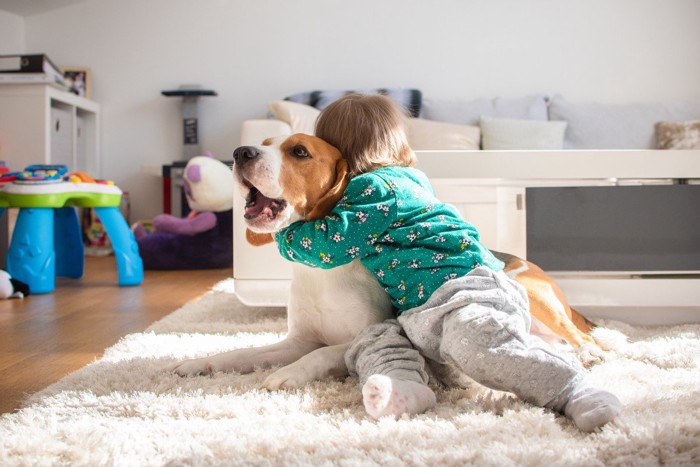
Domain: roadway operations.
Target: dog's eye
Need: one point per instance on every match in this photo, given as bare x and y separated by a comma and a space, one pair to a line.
300, 152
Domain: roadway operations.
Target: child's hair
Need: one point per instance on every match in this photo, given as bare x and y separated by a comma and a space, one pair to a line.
369, 130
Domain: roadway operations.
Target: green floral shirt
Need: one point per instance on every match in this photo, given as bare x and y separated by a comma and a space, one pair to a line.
391, 220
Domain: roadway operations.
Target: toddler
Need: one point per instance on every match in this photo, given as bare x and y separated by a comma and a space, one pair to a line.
454, 303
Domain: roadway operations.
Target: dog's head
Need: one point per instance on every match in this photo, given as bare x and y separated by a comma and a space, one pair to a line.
287, 179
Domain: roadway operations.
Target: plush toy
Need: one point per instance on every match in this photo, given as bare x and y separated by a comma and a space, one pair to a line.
12, 288
203, 239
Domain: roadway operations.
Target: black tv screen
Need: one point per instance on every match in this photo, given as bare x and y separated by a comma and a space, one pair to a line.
651, 228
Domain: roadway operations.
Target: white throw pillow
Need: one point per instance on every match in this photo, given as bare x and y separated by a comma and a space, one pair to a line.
431, 135
301, 118
514, 134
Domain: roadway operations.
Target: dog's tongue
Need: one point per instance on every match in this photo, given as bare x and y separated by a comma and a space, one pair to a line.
258, 204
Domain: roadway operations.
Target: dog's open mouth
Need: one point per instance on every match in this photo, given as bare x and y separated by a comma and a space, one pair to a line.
258, 205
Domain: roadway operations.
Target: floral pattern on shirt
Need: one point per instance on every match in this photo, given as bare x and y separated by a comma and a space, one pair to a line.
391, 221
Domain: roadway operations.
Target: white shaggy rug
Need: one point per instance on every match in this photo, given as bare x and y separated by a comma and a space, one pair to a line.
126, 410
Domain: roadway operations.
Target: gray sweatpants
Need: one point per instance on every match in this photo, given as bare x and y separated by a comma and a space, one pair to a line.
478, 324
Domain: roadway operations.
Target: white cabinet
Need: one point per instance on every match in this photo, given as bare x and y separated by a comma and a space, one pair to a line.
42, 124
497, 211
489, 188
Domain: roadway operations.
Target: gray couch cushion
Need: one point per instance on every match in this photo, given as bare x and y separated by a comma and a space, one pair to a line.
615, 126
469, 112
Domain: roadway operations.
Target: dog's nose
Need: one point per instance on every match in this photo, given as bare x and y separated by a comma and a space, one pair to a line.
245, 153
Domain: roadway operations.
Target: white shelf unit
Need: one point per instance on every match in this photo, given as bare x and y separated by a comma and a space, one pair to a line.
43, 124
488, 187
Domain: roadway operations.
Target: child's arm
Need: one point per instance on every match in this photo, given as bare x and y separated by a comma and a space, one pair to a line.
352, 230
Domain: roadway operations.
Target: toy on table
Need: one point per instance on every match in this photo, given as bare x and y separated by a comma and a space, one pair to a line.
51, 186
204, 238
12, 288
42, 174
47, 241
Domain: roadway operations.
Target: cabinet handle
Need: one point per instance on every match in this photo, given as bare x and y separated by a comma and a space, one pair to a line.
519, 202
58, 125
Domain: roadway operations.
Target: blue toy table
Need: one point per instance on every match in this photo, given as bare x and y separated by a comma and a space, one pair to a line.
47, 240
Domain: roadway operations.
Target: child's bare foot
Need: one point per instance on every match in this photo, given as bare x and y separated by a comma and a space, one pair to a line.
384, 396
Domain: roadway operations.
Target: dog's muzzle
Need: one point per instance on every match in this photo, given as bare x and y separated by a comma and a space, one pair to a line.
257, 205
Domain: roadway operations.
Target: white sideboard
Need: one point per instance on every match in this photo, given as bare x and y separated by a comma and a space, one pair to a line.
43, 124
488, 187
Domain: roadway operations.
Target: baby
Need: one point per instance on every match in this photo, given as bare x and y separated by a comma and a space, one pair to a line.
454, 303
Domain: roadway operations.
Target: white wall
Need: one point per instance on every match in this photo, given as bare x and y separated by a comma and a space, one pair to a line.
255, 52
11, 33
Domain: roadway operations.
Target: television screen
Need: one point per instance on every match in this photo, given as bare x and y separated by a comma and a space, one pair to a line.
650, 228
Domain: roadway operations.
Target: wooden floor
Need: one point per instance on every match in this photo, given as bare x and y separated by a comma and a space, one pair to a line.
45, 337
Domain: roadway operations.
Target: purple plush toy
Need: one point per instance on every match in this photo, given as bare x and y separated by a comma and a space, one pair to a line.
203, 239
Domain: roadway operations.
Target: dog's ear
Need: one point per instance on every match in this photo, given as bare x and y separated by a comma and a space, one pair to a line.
330, 199
258, 239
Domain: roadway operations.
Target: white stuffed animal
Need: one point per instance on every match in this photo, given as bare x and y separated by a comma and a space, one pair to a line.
204, 238
12, 288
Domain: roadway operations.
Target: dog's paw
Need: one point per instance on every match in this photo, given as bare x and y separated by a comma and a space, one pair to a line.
285, 378
590, 354
194, 367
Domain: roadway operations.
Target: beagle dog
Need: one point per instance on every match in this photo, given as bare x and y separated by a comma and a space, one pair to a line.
301, 177
327, 308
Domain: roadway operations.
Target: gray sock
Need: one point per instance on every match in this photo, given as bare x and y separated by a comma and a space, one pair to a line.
591, 408
383, 396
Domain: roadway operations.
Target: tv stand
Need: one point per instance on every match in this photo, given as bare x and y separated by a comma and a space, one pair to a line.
489, 188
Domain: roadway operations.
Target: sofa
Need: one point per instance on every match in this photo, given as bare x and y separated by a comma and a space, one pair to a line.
486, 155
535, 122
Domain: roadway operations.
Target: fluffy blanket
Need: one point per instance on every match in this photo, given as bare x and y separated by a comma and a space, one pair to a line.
125, 409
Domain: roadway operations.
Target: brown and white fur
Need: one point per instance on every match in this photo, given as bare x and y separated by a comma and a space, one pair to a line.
301, 177
285, 180
552, 318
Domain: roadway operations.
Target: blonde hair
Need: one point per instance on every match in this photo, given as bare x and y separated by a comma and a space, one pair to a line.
369, 130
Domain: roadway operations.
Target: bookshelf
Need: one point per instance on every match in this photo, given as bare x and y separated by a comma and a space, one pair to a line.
43, 124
